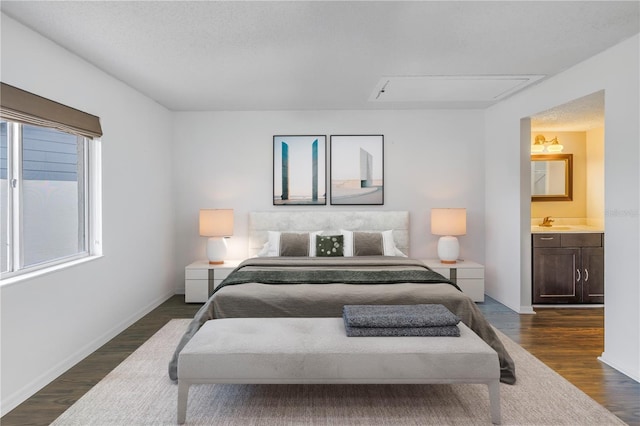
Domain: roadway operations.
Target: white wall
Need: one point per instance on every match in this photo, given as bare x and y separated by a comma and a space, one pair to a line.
432, 159
616, 71
51, 322
595, 177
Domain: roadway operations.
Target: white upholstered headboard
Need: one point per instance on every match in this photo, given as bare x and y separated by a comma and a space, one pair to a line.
262, 222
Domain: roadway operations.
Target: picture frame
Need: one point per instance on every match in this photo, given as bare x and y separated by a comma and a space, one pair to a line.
357, 169
299, 170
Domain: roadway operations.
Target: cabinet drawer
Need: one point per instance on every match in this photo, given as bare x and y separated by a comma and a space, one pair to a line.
581, 240
196, 274
474, 288
463, 273
196, 291
442, 271
546, 240
221, 274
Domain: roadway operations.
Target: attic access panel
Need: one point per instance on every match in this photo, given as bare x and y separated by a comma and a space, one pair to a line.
449, 88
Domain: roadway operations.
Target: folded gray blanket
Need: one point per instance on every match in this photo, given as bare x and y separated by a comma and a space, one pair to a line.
447, 331
411, 316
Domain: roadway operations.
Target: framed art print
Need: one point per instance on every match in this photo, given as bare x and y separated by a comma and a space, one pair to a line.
299, 170
357, 169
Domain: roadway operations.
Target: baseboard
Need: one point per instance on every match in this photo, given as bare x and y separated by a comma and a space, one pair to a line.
562, 305
527, 310
9, 402
626, 371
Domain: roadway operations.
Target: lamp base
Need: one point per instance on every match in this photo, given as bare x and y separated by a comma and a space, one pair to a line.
448, 262
448, 249
216, 250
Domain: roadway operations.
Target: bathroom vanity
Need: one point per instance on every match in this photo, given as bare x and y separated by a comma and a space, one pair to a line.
568, 266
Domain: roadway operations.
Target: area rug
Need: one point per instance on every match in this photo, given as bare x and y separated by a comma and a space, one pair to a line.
139, 392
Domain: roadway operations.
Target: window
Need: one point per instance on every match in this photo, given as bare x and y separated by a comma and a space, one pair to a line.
49, 188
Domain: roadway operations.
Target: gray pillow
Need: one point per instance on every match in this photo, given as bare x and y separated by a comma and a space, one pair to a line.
368, 244
294, 244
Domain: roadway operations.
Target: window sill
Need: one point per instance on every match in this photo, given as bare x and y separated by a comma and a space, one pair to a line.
5, 282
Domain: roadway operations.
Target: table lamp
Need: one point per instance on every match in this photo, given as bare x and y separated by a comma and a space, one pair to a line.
448, 223
216, 224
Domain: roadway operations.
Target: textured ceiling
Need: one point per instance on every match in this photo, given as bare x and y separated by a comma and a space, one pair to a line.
209, 55
579, 115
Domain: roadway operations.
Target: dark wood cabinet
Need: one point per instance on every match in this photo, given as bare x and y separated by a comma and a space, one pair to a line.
593, 278
568, 268
554, 275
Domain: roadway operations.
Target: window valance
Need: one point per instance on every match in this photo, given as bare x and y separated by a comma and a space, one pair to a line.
27, 108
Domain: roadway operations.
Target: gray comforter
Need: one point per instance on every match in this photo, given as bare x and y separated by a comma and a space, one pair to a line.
243, 295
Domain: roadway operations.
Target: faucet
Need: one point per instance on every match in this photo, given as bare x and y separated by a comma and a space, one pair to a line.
546, 221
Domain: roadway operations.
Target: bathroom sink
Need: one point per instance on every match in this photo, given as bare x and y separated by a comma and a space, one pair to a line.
552, 228
565, 228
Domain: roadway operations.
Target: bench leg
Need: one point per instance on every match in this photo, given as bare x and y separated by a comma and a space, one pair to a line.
494, 401
183, 396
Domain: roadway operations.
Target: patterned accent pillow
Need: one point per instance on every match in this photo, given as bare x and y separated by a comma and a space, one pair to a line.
329, 245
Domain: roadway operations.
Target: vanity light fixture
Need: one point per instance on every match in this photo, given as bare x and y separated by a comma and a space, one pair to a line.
555, 146
538, 145
217, 224
541, 145
448, 223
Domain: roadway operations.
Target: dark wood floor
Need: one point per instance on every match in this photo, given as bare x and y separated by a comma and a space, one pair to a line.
567, 340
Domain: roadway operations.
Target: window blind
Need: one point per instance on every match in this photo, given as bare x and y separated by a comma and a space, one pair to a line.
27, 108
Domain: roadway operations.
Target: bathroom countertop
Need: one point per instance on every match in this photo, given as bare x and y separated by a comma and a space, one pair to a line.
577, 229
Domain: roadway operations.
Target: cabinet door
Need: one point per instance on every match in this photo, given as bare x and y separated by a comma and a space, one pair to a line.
557, 277
593, 275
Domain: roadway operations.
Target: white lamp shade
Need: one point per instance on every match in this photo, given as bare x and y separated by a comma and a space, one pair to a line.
537, 149
555, 148
216, 222
449, 221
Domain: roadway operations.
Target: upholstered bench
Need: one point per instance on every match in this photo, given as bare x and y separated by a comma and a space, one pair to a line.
317, 350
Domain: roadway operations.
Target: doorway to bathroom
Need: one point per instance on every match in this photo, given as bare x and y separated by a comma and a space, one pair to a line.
567, 204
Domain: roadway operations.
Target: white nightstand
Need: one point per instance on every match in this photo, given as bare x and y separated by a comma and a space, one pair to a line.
468, 275
200, 278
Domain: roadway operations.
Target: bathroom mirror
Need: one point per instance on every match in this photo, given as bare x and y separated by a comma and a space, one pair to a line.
552, 177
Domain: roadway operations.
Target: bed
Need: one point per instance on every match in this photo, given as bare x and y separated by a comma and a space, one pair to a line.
313, 286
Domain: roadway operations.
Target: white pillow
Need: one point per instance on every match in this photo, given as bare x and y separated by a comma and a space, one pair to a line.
264, 250
274, 243
388, 245
400, 253
347, 238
